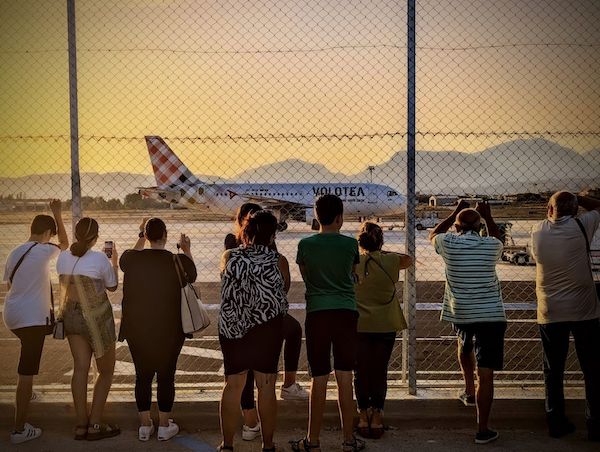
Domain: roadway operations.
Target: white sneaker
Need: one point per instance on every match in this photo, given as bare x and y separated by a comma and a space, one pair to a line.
146, 431
250, 433
29, 432
294, 392
166, 433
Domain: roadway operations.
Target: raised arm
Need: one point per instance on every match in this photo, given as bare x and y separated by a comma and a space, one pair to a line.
63, 239
486, 213
588, 203
141, 241
448, 222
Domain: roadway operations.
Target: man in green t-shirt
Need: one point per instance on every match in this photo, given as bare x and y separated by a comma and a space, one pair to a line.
327, 261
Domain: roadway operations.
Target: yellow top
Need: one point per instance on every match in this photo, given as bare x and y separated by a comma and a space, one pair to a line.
376, 298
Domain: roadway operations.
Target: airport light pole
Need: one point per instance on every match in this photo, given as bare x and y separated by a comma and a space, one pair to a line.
73, 116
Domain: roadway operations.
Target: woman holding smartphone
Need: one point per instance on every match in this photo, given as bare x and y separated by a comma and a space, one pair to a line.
85, 276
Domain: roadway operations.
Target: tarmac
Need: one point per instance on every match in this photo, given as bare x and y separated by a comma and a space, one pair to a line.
431, 421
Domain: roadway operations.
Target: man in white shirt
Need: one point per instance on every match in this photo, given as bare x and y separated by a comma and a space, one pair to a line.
568, 304
28, 310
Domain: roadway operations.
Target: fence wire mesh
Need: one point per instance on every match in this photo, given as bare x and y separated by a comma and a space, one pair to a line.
304, 92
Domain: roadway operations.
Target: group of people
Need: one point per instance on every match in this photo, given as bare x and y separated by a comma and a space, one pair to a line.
353, 315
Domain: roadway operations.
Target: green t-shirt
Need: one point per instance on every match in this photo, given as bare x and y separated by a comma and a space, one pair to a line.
328, 259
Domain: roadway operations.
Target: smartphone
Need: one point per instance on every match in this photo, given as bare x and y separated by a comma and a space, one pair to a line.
108, 248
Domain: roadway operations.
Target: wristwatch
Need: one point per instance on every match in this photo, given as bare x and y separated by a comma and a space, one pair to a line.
141, 235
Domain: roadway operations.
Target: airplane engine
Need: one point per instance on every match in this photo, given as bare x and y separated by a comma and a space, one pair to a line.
311, 220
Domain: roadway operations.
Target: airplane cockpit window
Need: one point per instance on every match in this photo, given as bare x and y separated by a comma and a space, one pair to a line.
392, 193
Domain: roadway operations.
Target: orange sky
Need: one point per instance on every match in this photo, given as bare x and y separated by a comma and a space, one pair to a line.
215, 69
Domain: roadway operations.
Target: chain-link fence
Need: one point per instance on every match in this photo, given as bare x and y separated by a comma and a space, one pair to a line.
269, 92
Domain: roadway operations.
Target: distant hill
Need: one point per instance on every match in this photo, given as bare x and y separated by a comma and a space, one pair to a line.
512, 167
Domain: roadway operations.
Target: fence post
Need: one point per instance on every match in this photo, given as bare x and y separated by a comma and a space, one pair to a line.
409, 351
73, 115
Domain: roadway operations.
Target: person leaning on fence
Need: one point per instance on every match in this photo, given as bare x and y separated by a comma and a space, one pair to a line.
254, 283
89, 325
567, 303
151, 321
380, 318
473, 302
292, 336
327, 262
28, 307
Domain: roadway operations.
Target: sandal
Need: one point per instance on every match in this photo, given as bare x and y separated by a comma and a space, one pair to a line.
364, 430
353, 446
303, 444
270, 449
80, 432
377, 430
224, 447
102, 431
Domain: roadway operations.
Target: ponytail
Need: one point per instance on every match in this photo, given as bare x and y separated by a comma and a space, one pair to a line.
86, 231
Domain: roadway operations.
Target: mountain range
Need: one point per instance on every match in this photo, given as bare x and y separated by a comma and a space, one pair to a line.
513, 167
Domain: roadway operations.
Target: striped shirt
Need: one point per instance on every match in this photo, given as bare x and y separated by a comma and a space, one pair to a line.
472, 292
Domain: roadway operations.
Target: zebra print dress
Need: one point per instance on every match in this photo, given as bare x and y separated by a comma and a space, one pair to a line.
252, 290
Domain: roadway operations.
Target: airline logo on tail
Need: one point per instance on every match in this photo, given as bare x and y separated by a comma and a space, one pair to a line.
169, 171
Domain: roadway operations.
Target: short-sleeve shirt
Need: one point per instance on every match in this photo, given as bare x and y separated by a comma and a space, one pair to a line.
564, 285
328, 259
376, 298
152, 295
472, 293
28, 302
93, 264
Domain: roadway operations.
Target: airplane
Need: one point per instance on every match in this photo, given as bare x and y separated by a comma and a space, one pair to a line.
177, 185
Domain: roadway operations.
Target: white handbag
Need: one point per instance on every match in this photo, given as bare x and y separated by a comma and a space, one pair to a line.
194, 316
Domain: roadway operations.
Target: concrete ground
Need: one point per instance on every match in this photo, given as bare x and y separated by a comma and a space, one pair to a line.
423, 423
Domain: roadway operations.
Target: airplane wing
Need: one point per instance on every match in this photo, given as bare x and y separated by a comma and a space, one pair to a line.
271, 203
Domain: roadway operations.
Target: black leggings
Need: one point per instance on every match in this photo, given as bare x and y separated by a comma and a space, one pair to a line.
150, 358
292, 335
370, 378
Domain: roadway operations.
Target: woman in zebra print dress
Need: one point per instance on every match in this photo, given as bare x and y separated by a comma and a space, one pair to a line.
255, 279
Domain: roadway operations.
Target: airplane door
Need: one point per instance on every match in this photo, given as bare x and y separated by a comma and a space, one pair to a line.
372, 196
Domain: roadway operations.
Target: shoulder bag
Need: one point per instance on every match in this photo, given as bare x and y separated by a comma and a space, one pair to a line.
194, 316
589, 252
50, 322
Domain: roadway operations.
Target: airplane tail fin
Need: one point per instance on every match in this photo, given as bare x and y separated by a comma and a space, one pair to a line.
168, 169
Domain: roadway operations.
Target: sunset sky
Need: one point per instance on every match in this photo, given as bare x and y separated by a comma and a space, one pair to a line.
312, 73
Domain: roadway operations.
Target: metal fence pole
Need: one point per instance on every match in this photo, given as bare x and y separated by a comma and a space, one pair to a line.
410, 292
74, 115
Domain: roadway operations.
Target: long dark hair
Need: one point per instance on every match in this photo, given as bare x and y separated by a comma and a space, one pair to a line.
244, 211
86, 231
258, 228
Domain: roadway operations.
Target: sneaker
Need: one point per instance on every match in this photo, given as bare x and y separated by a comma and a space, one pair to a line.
146, 431
466, 399
166, 433
29, 432
486, 437
250, 433
294, 392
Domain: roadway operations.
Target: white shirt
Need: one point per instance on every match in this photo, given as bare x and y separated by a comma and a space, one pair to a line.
94, 264
28, 301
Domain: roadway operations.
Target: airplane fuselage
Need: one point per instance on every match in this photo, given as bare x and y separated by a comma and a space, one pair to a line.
359, 199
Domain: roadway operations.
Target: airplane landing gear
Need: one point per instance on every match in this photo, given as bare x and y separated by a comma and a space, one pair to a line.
282, 226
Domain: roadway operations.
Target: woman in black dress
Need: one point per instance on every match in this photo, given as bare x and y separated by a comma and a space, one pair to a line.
151, 321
